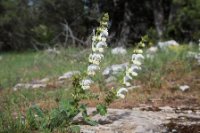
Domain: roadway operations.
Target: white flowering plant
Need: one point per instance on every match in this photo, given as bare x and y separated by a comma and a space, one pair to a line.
82, 85
132, 69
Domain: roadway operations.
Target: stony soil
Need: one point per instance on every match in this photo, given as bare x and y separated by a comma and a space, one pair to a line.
147, 120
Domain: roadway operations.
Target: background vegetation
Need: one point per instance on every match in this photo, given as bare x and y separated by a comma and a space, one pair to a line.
38, 24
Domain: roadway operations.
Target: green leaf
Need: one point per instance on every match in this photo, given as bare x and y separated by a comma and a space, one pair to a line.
101, 109
75, 129
90, 122
86, 118
37, 110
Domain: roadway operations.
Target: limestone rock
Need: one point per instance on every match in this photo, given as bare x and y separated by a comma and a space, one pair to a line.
184, 87
163, 45
110, 79
68, 75
119, 51
152, 50
115, 69
53, 51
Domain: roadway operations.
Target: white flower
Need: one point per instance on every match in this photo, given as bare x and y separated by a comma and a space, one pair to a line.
95, 49
85, 84
135, 67
92, 69
126, 80
103, 39
136, 62
99, 47
137, 57
96, 38
101, 44
95, 58
121, 96
121, 91
104, 33
132, 72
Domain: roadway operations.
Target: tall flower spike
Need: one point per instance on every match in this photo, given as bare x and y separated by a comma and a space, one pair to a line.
98, 46
131, 72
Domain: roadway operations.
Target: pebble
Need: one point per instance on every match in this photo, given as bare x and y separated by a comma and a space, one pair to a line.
119, 51
184, 87
68, 75
163, 45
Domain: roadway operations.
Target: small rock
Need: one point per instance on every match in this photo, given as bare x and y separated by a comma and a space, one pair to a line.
191, 44
68, 75
174, 131
167, 109
198, 112
20, 85
152, 50
110, 79
184, 87
28, 86
134, 87
36, 86
194, 55
107, 71
163, 45
45, 80
114, 69
149, 56
53, 51
191, 54
189, 111
42, 81
119, 51
117, 69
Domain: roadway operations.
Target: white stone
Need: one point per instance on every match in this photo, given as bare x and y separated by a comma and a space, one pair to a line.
191, 54
194, 55
134, 87
167, 109
107, 71
53, 51
20, 85
163, 45
119, 51
44, 80
149, 56
152, 50
28, 86
117, 68
68, 75
35, 86
114, 69
184, 87
110, 79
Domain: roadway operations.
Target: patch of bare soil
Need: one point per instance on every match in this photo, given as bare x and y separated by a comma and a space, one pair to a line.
184, 124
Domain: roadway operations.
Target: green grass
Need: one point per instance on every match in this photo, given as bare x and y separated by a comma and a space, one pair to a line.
26, 67
164, 63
